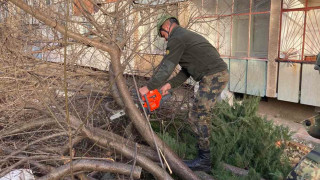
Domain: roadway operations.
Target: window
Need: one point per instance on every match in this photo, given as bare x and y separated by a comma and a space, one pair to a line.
300, 29
240, 27
149, 39
241, 6
260, 35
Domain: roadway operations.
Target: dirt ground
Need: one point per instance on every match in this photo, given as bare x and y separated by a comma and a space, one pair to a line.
286, 110
289, 114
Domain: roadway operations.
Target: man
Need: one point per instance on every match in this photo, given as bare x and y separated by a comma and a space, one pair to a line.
309, 166
200, 60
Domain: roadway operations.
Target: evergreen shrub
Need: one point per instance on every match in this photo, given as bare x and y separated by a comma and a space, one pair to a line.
240, 137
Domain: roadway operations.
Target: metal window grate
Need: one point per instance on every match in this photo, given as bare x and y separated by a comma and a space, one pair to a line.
300, 29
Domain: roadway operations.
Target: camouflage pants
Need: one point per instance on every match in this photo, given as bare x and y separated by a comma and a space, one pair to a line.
307, 169
210, 88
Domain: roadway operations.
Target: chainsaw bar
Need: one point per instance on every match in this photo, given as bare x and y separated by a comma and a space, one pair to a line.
151, 101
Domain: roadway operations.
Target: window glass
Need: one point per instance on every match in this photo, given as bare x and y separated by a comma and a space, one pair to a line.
313, 3
210, 31
224, 36
197, 3
240, 36
225, 7
260, 5
292, 4
292, 35
259, 35
241, 6
144, 31
207, 27
157, 43
312, 37
149, 39
210, 6
207, 6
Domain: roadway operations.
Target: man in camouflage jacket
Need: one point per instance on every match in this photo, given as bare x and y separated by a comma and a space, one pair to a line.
200, 60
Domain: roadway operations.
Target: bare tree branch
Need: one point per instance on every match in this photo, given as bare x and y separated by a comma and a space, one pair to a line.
93, 165
143, 161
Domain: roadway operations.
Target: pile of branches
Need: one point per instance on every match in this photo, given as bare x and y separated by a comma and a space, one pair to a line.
54, 117
55, 136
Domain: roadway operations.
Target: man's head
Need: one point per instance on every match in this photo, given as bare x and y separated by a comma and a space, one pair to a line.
165, 24
313, 126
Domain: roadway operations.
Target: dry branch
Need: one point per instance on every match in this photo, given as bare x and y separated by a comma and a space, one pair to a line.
31, 160
28, 145
112, 137
26, 126
140, 122
93, 165
143, 161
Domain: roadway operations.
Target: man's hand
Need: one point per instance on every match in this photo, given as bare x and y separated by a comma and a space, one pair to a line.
144, 90
165, 89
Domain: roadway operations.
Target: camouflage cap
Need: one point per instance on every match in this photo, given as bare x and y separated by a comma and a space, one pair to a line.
162, 19
313, 126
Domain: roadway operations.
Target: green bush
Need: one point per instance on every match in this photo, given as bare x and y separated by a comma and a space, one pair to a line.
240, 137
182, 143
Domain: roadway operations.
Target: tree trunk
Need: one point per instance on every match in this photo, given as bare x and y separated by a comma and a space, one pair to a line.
114, 88
142, 125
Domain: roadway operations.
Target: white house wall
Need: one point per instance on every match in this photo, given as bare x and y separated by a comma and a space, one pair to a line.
310, 86
289, 81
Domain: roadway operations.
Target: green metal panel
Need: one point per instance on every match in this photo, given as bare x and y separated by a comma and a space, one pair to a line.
289, 81
310, 86
238, 75
257, 77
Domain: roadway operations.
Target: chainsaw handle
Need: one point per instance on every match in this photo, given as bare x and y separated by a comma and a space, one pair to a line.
165, 97
145, 97
169, 92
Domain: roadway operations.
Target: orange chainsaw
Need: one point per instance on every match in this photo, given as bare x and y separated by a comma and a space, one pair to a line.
153, 100
150, 102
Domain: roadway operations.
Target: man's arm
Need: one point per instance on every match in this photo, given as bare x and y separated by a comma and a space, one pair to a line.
174, 52
163, 73
181, 77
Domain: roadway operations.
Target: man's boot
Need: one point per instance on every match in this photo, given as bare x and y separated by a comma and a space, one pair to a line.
201, 163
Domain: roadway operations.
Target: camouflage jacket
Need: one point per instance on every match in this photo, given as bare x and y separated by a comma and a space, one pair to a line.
196, 56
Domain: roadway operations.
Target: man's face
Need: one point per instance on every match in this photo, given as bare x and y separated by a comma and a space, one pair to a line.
163, 33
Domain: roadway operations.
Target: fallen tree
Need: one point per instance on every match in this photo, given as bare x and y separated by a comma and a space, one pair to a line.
110, 43
54, 113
